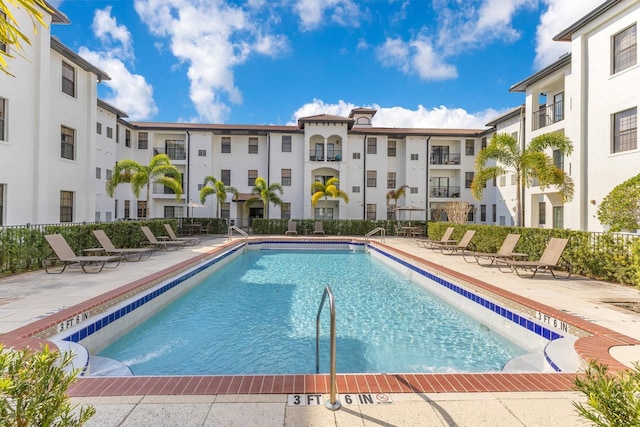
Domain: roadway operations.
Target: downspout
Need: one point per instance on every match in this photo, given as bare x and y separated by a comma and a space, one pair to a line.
266, 213
523, 118
426, 199
364, 178
187, 169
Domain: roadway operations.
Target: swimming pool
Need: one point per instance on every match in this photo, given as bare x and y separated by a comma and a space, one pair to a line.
256, 315
102, 324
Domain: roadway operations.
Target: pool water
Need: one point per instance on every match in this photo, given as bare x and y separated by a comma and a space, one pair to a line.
257, 315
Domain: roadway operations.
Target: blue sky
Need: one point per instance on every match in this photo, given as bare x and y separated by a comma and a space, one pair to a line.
426, 63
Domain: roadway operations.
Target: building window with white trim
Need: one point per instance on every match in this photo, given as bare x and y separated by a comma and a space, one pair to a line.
225, 146
127, 138
355, 189
66, 206
625, 49
143, 140
67, 142
285, 177
391, 180
225, 210
202, 153
391, 148
98, 173
285, 211
542, 213
470, 146
252, 175
109, 132
371, 211
356, 156
372, 178
414, 156
286, 143
413, 190
3, 120
99, 128
225, 176
253, 145
141, 207
625, 130
372, 145
68, 79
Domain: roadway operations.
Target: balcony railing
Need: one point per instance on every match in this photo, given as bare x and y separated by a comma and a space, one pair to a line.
332, 156
161, 189
445, 192
444, 158
547, 115
174, 153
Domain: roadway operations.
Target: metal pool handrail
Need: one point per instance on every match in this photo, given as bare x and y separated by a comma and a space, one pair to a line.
374, 231
333, 403
230, 232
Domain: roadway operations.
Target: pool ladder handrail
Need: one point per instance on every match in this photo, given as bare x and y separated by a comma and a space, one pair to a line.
333, 403
230, 232
374, 231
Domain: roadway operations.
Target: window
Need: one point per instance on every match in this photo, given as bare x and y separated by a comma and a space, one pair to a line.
68, 79
107, 216
202, 153
355, 189
97, 216
3, 115
99, 128
252, 174
226, 144
67, 142
391, 212
625, 131
558, 159
483, 142
173, 211
285, 211
469, 145
371, 211
372, 145
225, 176
471, 215
175, 149
108, 174
225, 210
391, 180
391, 148
468, 179
483, 213
323, 213
141, 207
98, 173
625, 52
414, 156
285, 177
66, 206
558, 217
286, 143
413, 190
127, 208
542, 213
127, 138
109, 132
356, 156
493, 213
372, 178
253, 145
143, 140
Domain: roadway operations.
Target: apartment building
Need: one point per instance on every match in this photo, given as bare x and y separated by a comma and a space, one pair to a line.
59, 144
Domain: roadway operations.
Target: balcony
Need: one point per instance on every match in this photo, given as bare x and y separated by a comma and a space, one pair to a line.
174, 153
445, 192
332, 156
547, 115
444, 158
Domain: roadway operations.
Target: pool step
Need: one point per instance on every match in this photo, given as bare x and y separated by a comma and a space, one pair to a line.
531, 362
104, 367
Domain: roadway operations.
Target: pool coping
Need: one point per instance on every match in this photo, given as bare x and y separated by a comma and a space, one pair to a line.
594, 347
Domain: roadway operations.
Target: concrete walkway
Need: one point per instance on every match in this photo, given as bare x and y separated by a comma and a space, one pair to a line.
28, 297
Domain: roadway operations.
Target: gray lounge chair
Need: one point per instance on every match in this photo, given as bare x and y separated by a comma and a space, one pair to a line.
129, 254
549, 261
461, 246
291, 229
160, 244
318, 229
505, 252
172, 236
445, 239
65, 255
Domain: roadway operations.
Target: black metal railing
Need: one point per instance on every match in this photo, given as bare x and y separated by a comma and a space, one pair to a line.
445, 192
331, 156
547, 115
444, 158
174, 153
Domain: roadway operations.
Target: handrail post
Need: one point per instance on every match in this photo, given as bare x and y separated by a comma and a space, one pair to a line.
333, 403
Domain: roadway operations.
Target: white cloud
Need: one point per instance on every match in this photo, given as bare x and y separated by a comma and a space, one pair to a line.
212, 38
559, 15
416, 56
312, 13
400, 117
129, 92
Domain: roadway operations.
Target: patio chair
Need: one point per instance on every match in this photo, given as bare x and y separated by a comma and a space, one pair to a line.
291, 229
172, 236
446, 239
549, 261
129, 254
65, 255
160, 244
505, 252
461, 246
318, 229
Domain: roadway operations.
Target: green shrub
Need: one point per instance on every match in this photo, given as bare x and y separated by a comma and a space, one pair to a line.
33, 390
613, 400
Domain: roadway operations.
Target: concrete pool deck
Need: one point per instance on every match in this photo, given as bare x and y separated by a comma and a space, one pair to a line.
31, 297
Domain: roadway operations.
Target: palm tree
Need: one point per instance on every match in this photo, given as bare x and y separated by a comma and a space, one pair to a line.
160, 171
266, 193
395, 195
528, 164
321, 190
10, 34
219, 189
